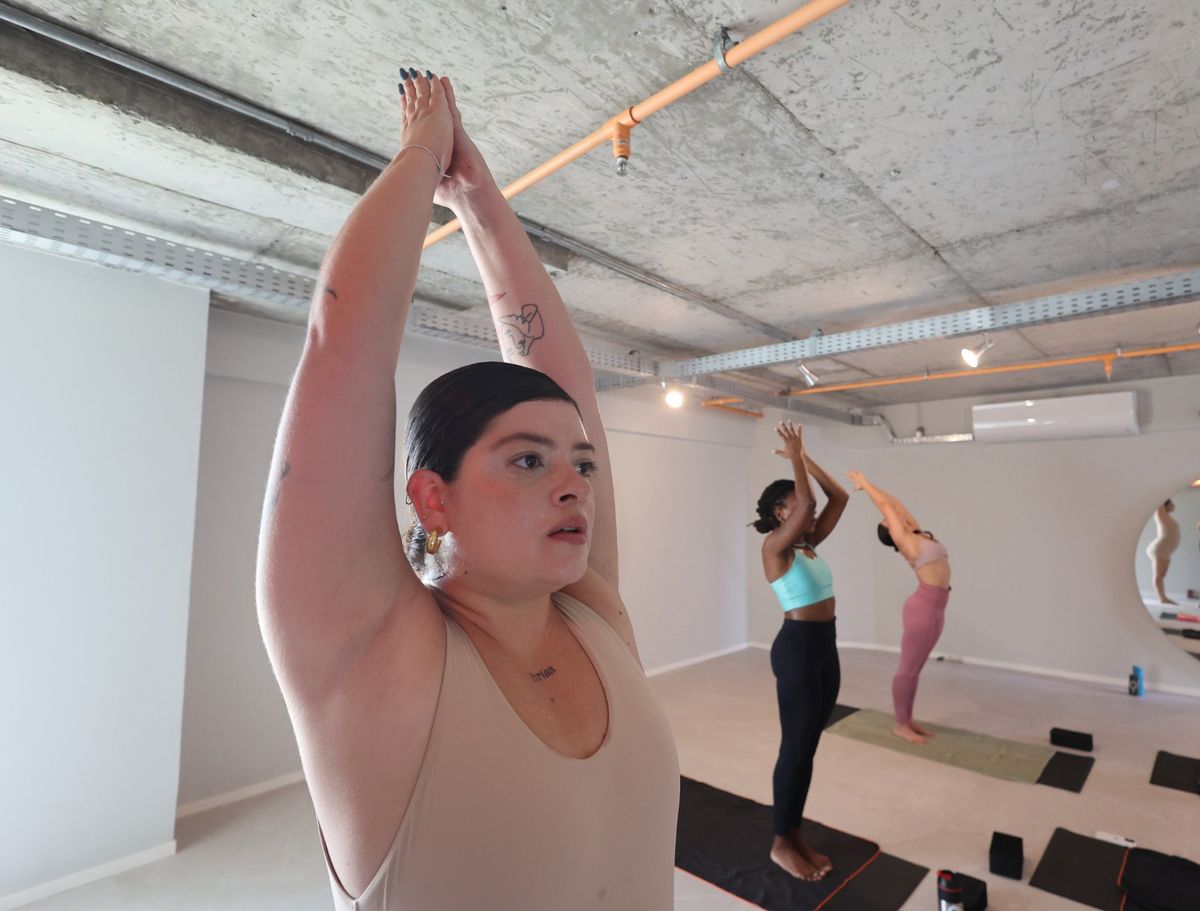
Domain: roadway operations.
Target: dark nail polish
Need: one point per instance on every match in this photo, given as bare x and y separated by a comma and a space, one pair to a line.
400, 86
428, 74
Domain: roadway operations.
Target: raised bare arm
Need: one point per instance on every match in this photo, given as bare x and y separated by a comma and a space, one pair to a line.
331, 564
836, 505
532, 322
791, 531
894, 513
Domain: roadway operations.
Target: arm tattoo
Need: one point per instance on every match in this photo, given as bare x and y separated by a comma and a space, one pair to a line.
278, 485
543, 674
518, 331
331, 293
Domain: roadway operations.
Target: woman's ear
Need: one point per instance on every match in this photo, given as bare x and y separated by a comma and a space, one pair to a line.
427, 491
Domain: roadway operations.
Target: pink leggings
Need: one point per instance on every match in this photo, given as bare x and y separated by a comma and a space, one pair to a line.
924, 617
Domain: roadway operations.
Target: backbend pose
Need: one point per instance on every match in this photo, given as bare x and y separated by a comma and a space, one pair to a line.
1165, 543
472, 715
924, 612
804, 655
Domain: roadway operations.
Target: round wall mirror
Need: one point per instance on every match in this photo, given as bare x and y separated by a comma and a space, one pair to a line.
1168, 567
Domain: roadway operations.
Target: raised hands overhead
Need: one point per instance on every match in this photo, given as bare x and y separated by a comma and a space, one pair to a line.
793, 442
426, 122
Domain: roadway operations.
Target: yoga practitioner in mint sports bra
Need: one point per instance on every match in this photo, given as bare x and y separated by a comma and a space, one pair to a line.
804, 655
924, 611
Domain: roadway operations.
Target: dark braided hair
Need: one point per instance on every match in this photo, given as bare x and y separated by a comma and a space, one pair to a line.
773, 496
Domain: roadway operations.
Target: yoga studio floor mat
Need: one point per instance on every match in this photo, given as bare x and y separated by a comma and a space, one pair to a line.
1082, 869
726, 840
839, 712
1067, 771
994, 756
1179, 772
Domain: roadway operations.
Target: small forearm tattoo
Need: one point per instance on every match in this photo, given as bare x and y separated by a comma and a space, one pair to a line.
331, 293
541, 675
518, 331
277, 484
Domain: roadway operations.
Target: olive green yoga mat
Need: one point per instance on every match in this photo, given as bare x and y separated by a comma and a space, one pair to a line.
994, 756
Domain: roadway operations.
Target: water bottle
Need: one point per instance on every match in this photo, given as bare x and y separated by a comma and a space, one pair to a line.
1137, 683
950, 891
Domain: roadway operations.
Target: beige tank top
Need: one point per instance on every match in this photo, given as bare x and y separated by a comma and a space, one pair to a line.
500, 821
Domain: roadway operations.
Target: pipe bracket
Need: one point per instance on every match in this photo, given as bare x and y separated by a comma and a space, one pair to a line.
721, 43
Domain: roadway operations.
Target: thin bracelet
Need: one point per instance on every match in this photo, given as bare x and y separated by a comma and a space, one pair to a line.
437, 164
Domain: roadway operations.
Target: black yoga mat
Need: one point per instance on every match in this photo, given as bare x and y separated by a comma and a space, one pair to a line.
1067, 771
726, 840
839, 712
1082, 869
1179, 772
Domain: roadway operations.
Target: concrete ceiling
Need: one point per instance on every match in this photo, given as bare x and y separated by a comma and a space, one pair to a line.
899, 159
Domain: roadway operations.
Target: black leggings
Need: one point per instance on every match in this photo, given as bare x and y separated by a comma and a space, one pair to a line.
808, 676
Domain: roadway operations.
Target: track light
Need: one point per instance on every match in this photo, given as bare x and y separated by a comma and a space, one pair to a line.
972, 356
810, 378
674, 398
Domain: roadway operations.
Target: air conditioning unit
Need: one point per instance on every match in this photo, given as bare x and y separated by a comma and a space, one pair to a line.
1107, 414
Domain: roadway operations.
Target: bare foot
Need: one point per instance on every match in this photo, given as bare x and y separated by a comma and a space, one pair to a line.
921, 729
784, 853
822, 863
909, 734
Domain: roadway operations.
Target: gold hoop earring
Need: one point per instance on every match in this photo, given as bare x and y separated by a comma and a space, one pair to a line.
433, 542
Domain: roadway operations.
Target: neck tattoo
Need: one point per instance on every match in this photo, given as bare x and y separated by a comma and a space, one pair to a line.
541, 675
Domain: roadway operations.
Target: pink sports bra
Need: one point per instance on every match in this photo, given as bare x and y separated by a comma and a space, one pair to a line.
928, 551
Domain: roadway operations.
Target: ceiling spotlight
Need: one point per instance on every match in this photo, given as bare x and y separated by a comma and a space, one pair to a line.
673, 398
972, 356
810, 378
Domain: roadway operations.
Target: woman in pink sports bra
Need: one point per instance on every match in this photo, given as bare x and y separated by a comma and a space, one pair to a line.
925, 610
474, 722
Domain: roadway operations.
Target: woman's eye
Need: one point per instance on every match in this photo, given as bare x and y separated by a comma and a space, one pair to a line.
586, 468
529, 460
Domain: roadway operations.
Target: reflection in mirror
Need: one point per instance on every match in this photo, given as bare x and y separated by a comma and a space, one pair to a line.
1168, 568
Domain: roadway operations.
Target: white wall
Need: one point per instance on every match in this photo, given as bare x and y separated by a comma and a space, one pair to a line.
679, 477
101, 377
681, 480
1041, 538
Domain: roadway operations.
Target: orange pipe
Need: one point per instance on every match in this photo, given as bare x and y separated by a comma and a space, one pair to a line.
718, 403
616, 127
1108, 358
728, 400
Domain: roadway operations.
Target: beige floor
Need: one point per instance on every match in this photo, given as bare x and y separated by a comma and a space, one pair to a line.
262, 854
723, 715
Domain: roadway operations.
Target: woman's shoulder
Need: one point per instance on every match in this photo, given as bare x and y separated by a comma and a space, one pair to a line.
594, 599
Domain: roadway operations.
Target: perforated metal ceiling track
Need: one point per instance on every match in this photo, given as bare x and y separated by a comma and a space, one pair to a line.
108, 245
52, 231
1177, 288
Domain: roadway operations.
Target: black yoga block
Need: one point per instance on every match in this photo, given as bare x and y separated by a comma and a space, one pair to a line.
1075, 740
974, 893
1007, 855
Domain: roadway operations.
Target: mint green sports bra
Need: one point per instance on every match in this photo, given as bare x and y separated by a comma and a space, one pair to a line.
806, 582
